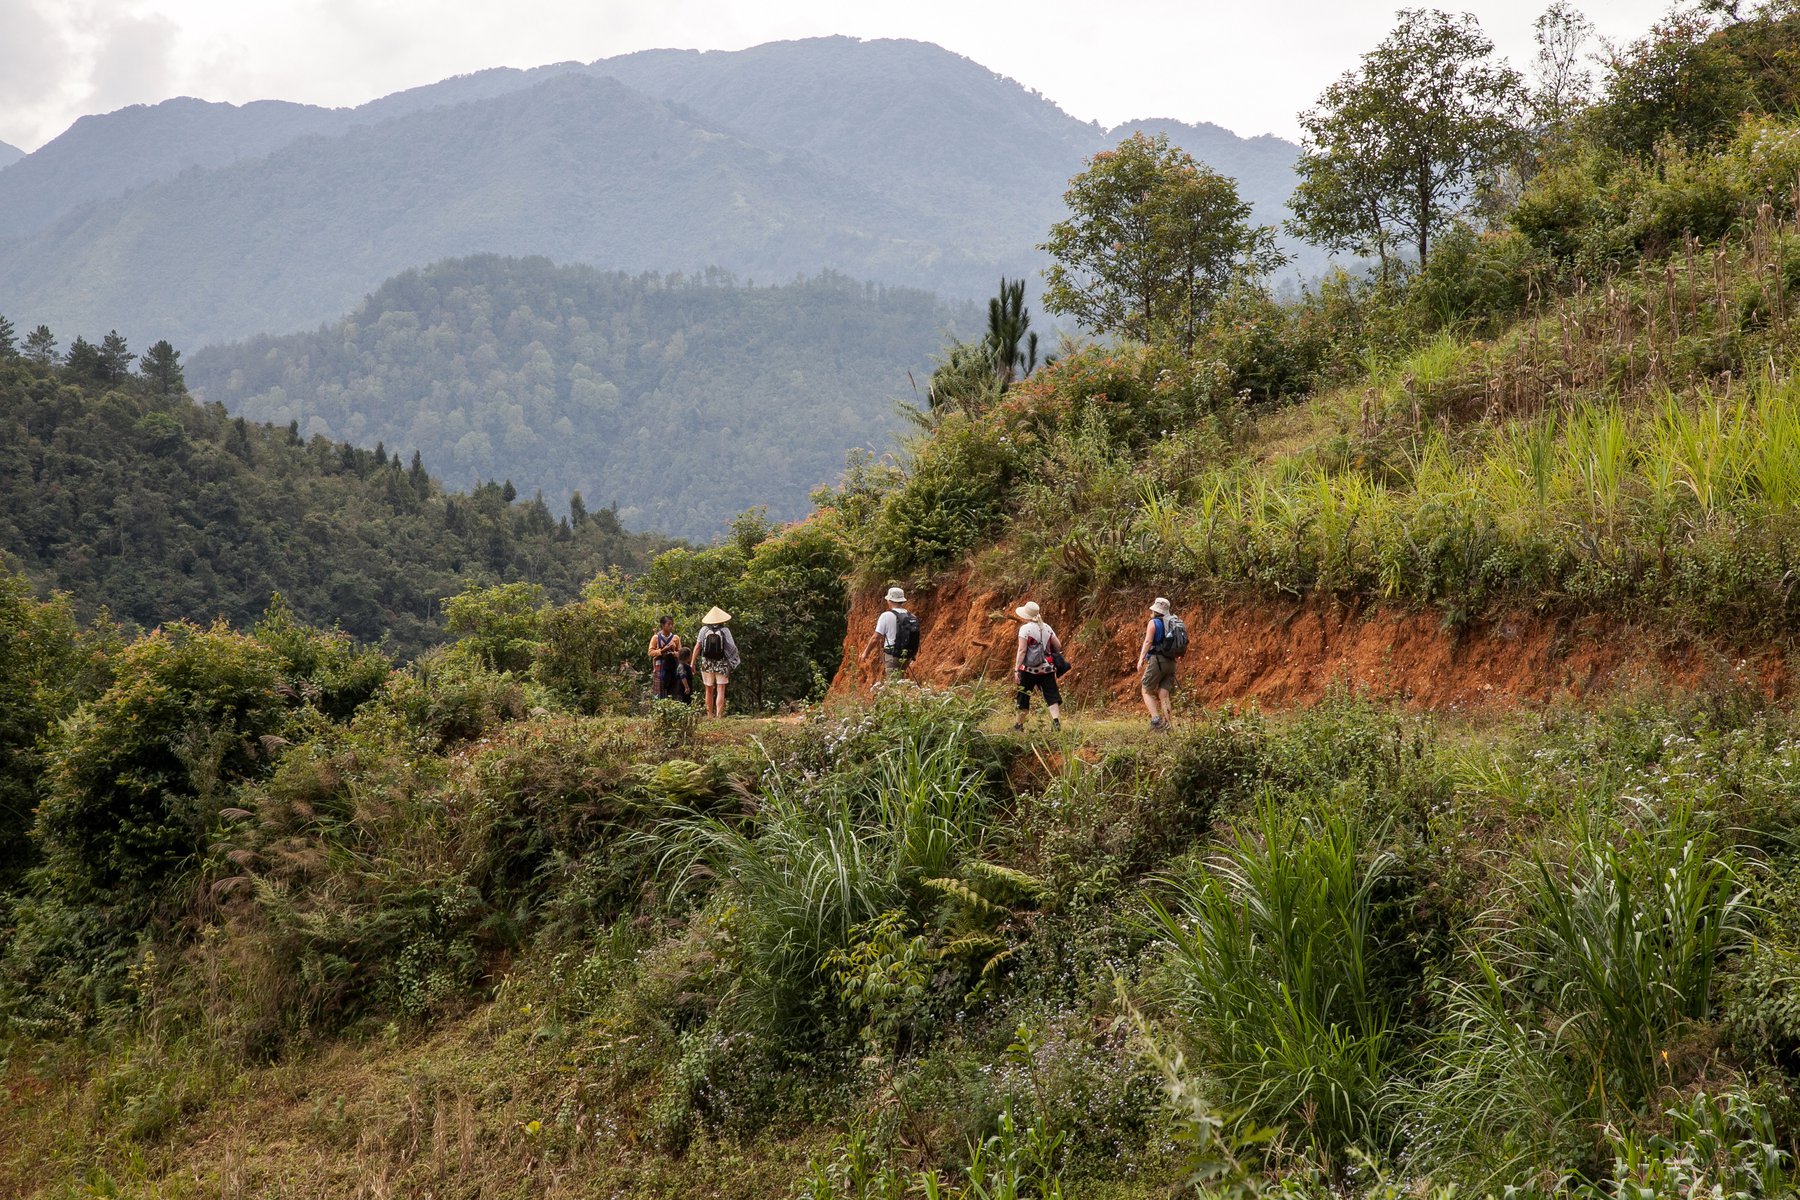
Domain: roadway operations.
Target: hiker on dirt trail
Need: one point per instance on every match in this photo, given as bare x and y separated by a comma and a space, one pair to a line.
897, 633
1034, 662
715, 656
665, 662
1165, 640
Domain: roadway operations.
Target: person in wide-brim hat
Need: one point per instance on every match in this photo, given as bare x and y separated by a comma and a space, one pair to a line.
715, 672
1156, 663
896, 636
1034, 667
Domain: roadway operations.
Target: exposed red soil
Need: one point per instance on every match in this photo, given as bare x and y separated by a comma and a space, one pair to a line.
1291, 652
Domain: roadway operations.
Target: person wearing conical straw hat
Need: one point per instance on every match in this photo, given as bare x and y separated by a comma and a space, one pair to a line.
896, 634
1034, 663
715, 657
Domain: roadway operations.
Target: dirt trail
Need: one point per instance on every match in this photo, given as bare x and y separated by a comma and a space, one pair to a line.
1290, 652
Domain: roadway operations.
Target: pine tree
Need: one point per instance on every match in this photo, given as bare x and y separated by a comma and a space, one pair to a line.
162, 367
83, 359
578, 513
9, 343
113, 358
509, 493
40, 346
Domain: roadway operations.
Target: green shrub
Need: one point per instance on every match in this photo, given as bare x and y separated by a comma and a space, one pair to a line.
498, 625
47, 667
954, 495
137, 777
593, 651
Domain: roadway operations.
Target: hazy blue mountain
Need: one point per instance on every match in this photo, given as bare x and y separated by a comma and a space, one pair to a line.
889, 160
100, 157
578, 167
685, 400
9, 154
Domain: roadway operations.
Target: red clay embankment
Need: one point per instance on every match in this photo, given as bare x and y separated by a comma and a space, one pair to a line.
1290, 652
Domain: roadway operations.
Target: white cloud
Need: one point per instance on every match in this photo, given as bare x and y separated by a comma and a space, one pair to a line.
1249, 67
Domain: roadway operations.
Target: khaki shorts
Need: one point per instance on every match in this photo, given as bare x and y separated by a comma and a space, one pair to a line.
1159, 674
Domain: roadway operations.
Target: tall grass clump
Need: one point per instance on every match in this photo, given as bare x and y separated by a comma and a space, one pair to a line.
1582, 996
1273, 962
822, 859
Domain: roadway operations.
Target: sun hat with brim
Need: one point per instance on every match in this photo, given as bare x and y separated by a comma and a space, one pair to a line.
715, 616
1028, 611
896, 596
1160, 607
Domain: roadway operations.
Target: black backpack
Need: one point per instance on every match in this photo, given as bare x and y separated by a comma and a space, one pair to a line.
906, 635
712, 644
1175, 638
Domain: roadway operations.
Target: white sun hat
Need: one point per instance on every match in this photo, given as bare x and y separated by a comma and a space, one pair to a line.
896, 596
1160, 606
1028, 611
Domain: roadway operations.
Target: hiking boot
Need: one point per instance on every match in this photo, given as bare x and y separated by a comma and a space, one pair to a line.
1019, 725
1156, 725
1056, 722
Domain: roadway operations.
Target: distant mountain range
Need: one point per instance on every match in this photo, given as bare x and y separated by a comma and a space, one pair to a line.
9, 154
893, 161
686, 401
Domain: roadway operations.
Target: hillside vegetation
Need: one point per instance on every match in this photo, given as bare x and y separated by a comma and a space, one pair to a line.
154, 508
685, 401
293, 921
885, 160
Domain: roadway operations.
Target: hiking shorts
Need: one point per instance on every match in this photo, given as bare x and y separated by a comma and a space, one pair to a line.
894, 665
1159, 674
1044, 682
711, 676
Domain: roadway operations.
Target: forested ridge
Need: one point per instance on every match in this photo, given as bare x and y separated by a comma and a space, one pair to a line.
685, 399
153, 507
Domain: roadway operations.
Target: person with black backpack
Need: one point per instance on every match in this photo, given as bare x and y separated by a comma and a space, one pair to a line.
897, 633
1165, 641
1034, 664
715, 656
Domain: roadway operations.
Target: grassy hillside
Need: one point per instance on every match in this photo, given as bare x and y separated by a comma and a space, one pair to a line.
685, 401
155, 508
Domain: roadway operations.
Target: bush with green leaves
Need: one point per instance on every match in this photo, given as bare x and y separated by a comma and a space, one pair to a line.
48, 665
498, 625
137, 777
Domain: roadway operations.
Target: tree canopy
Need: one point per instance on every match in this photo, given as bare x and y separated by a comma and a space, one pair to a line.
1152, 240
1395, 148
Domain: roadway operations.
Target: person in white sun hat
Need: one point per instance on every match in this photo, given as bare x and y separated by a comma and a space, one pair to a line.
715, 657
1165, 640
896, 634
1034, 663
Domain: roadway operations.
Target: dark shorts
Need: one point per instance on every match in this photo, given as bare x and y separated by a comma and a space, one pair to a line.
1045, 683
1159, 674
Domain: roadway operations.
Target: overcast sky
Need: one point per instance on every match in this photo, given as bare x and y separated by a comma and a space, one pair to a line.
1247, 66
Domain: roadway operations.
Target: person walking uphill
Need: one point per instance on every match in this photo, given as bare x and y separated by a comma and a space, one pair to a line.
1034, 663
715, 657
897, 633
1165, 640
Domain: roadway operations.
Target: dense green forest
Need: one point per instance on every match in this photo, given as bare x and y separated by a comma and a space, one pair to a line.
120, 490
685, 400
